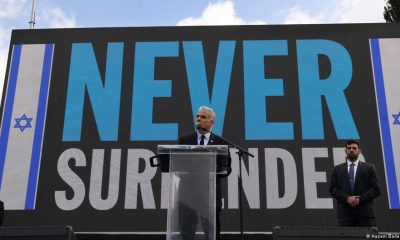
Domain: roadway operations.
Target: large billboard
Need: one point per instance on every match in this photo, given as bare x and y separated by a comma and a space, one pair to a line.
83, 110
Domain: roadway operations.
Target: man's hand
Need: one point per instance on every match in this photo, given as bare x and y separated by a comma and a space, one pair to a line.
353, 200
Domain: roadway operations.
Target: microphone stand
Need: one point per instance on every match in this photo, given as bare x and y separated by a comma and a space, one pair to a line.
240, 153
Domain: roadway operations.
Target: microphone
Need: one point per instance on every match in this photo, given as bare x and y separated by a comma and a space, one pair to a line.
241, 150
198, 126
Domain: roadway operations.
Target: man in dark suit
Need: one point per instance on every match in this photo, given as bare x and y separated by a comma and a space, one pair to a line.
355, 185
204, 121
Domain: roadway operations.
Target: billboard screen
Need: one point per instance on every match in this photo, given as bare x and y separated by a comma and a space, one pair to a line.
83, 110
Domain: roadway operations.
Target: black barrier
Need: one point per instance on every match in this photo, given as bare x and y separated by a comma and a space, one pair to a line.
38, 233
1, 212
322, 232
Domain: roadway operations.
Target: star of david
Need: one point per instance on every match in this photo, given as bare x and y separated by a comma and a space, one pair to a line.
396, 119
23, 122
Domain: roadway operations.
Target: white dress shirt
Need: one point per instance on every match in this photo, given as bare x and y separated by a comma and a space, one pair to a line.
206, 137
355, 167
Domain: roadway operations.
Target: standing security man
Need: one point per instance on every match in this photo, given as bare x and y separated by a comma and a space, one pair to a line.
355, 185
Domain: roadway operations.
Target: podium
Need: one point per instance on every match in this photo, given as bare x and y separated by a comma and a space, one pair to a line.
192, 196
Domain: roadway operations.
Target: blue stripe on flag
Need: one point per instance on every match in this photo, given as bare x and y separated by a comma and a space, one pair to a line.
8, 107
40, 121
385, 129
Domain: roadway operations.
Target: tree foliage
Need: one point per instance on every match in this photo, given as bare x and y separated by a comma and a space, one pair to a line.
392, 11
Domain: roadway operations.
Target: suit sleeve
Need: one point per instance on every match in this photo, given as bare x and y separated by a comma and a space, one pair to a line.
165, 158
374, 189
224, 165
334, 188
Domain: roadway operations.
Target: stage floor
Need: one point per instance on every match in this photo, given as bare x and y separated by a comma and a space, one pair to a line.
80, 236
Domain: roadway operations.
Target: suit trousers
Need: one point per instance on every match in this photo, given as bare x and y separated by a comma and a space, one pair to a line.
188, 219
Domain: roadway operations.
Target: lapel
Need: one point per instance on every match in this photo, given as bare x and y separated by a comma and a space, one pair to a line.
193, 139
211, 141
357, 179
360, 168
346, 177
345, 170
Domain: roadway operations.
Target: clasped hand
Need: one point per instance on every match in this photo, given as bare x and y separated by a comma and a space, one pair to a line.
353, 200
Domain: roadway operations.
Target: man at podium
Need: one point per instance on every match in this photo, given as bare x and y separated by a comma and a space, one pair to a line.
188, 218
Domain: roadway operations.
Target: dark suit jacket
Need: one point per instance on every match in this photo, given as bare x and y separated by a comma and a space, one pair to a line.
223, 162
1, 212
366, 186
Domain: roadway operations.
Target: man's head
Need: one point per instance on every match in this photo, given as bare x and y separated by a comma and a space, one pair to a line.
205, 118
352, 150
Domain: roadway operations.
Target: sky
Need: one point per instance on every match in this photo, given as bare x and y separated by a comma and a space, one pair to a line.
15, 14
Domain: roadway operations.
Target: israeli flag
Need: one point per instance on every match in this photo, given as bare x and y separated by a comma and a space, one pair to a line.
22, 124
386, 67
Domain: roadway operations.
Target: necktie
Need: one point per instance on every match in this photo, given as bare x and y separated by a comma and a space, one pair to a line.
351, 177
202, 140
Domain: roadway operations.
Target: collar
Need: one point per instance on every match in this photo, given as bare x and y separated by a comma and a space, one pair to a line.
356, 162
207, 135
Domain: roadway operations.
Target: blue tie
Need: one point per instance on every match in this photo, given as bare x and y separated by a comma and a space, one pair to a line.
351, 177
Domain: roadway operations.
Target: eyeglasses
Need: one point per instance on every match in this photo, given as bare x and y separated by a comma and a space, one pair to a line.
201, 116
352, 148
